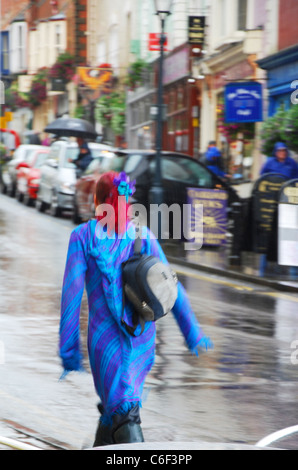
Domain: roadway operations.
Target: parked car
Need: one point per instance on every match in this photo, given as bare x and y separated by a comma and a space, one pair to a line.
28, 175
179, 173
9, 169
83, 204
59, 175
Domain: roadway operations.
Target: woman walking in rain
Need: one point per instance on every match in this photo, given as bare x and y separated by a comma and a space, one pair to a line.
119, 362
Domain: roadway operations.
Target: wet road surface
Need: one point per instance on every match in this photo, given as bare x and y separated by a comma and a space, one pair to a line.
242, 391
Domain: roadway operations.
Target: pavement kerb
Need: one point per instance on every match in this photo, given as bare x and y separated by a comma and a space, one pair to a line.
236, 275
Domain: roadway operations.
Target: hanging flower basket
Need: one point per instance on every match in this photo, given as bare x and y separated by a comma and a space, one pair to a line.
38, 92
64, 69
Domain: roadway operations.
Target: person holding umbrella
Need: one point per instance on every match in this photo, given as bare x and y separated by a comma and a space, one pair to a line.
85, 156
79, 128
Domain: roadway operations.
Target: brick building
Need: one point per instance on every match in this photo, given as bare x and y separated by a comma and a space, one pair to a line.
288, 32
33, 34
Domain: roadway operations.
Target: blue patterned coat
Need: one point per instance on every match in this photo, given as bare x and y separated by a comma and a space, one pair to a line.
119, 362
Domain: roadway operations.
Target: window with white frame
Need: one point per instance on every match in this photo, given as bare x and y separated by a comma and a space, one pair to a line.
58, 40
18, 45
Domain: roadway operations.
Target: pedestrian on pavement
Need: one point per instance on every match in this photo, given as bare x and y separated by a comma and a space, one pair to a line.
85, 156
281, 162
119, 362
214, 162
211, 144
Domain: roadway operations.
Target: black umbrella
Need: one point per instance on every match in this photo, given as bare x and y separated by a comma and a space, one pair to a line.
71, 127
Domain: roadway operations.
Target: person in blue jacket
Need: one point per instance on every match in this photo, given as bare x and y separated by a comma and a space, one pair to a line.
213, 162
281, 163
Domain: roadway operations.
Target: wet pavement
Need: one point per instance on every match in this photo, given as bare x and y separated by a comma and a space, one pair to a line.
242, 391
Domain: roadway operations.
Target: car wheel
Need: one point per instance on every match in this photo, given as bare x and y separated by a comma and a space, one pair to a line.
3, 188
19, 196
11, 191
75, 215
55, 210
40, 205
27, 200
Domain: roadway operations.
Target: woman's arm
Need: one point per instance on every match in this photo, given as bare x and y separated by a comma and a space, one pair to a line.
72, 293
183, 311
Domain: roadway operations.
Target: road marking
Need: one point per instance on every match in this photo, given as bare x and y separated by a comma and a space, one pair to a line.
277, 436
215, 281
278, 295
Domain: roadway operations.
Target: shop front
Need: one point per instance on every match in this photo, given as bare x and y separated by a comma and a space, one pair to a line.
282, 69
236, 140
181, 97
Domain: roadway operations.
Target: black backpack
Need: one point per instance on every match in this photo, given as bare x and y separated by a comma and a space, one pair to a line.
149, 286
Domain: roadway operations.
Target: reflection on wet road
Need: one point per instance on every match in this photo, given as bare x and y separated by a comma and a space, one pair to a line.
242, 391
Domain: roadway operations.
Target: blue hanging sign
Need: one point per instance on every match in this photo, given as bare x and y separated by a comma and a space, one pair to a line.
244, 102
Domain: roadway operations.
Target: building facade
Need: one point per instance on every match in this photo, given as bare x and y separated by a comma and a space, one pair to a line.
282, 64
33, 35
240, 33
244, 40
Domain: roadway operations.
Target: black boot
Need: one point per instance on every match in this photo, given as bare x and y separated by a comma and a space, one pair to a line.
128, 433
127, 428
104, 433
103, 436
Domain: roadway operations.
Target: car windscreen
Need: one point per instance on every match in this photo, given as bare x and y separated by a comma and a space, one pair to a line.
184, 170
132, 164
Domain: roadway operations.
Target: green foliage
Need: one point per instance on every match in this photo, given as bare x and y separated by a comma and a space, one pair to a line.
137, 73
290, 128
110, 112
273, 131
282, 127
3, 151
79, 112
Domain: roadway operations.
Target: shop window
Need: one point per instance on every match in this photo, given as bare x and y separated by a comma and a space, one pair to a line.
172, 101
171, 125
180, 98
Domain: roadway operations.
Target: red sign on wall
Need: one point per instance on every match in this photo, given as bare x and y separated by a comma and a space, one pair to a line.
154, 42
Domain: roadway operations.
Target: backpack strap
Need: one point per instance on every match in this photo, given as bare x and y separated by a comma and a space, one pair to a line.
138, 241
136, 319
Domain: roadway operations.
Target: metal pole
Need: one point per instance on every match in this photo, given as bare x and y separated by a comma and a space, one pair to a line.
156, 192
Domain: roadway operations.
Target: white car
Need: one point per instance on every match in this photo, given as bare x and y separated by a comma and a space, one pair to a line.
59, 176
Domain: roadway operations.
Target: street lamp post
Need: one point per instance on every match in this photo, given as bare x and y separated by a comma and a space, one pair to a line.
163, 10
